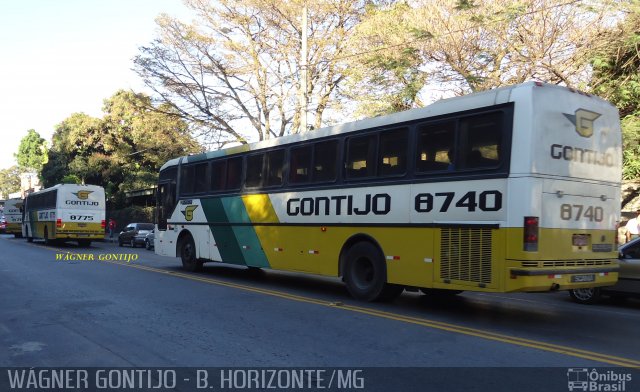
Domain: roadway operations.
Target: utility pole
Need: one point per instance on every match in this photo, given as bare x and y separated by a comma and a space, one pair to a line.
304, 100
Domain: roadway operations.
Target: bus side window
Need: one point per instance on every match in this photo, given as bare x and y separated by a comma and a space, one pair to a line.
324, 161
234, 173
187, 180
299, 165
361, 157
436, 147
253, 177
393, 152
201, 178
274, 168
481, 140
218, 175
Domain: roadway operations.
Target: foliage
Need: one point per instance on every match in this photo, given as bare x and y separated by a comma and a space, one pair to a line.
413, 51
238, 65
32, 151
9, 180
131, 214
122, 151
616, 68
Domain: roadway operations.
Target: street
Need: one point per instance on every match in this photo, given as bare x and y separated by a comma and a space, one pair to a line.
55, 311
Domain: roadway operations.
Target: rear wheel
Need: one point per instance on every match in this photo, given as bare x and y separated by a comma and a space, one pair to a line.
585, 296
365, 274
188, 254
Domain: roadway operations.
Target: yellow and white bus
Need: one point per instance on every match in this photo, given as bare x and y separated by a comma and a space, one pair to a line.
512, 189
65, 212
13, 216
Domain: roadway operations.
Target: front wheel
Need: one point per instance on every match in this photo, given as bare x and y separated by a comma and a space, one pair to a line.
585, 296
188, 255
365, 274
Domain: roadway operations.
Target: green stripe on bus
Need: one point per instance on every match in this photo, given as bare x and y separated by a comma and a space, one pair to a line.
246, 235
236, 244
224, 236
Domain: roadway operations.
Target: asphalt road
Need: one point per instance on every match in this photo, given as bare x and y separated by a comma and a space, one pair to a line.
149, 312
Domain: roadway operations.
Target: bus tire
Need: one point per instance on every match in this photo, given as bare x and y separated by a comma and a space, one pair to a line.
585, 296
188, 254
365, 274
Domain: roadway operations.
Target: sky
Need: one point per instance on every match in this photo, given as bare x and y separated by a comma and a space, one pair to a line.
59, 57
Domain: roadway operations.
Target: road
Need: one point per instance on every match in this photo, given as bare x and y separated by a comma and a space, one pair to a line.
150, 313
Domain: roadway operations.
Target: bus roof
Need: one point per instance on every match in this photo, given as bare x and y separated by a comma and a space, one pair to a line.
443, 106
58, 186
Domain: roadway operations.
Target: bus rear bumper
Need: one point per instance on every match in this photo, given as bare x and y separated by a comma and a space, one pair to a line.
540, 280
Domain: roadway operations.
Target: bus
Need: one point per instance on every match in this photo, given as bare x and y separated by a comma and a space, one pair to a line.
13, 216
515, 189
65, 212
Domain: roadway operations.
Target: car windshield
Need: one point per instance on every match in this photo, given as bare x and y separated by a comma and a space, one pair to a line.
145, 226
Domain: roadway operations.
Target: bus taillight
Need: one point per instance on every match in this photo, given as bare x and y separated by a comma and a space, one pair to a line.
530, 242
58, 223
103, 224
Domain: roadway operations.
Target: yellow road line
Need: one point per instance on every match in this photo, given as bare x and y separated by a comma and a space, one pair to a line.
551, 347
590, 355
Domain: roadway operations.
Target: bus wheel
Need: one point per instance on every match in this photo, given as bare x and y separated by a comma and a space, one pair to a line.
585, 296
188, 254
365, 274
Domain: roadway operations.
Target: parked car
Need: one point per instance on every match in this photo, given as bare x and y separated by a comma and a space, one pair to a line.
134, 234
3, 224
148, 240
628, 277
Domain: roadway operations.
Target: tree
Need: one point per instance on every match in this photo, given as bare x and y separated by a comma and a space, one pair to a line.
458, 47
235, 72
32, 152
617, 78
9, 180
121, 151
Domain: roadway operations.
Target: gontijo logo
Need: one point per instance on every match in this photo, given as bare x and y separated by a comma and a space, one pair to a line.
188, 212
82, 195
583, 121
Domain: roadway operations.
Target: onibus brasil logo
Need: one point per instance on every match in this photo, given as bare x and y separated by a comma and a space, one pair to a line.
583, 379
82, 195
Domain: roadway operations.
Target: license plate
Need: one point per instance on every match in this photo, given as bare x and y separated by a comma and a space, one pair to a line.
580, 239
583, 278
